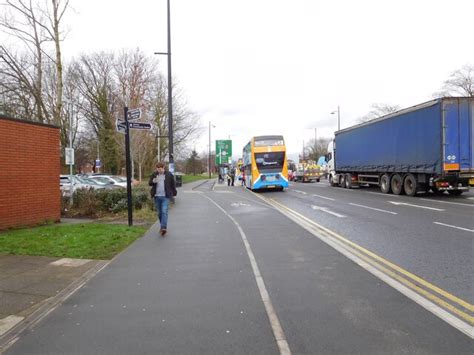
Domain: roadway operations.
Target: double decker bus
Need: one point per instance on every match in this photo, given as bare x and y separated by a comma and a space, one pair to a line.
264, 163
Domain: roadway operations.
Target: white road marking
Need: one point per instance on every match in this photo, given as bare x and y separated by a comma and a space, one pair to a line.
8, 323
451, 203
418, 206
192, 192
239, 204
271, 313
470, 198
300, 192
449, 225
224, 192
326, 198
372, 208
324, 209
316, 229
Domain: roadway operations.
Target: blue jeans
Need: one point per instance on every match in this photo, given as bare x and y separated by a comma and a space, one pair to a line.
162, 203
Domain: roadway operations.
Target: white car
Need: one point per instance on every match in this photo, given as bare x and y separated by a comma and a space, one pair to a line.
110, 180
65, 184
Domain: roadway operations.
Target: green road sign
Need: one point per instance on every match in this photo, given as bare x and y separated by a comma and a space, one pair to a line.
223, 152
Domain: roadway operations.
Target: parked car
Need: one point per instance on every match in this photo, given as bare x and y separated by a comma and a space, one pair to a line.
65, 184
109, 180
97, 185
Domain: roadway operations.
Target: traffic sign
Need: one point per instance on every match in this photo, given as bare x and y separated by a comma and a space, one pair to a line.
223, 151
139, 125
98, 164
121, 127
134, 114
69, 156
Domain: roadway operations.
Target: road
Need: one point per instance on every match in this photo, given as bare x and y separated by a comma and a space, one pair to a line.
278, 272
430, 236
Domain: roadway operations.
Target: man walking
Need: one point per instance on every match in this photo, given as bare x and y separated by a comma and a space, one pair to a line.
163, 188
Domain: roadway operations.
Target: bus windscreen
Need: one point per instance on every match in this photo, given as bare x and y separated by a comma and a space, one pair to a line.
270, 161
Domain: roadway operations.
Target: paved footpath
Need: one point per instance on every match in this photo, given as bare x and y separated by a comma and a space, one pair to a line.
235, 276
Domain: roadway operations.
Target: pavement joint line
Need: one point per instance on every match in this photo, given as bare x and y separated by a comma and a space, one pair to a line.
396, 281
399, 269
48, 306
277, 329
25, 293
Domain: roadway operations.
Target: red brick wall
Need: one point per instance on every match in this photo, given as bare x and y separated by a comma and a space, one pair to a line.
29, 173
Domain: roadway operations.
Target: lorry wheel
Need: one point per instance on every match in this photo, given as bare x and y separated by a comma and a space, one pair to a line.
455, 192
331, 181
396, 184
385, 184
348, 181
341, 181
410, 185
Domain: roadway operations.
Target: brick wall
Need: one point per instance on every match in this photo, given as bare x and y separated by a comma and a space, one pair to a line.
29, 173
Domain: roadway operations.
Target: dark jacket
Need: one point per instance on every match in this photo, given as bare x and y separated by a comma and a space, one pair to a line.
170, 186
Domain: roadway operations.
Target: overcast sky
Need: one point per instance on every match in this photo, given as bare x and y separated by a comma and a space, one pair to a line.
256, 67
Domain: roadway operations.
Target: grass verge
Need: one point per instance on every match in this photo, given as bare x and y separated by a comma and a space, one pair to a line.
191, 178
82, 241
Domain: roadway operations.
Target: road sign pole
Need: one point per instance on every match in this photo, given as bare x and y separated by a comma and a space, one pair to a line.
128, 167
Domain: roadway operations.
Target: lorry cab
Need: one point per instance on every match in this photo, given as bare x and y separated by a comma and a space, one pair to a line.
330, 162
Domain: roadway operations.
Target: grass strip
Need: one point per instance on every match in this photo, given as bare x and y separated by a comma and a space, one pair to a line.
191, 178
82, 241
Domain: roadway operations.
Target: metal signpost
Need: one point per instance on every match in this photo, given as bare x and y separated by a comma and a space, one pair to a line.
128, 167
124, 128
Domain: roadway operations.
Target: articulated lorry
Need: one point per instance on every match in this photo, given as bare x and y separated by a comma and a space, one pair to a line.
428, 146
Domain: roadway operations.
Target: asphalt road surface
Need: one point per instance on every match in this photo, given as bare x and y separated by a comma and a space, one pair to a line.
430, 236
269, 273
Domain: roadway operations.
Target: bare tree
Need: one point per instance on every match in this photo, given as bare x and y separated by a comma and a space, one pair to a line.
379, 110
107, 83
314, 150
460, 82
36, 24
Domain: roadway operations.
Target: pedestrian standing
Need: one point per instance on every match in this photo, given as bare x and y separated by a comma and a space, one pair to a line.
163, 188
232, 176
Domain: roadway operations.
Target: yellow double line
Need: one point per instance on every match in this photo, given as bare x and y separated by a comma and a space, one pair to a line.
428, 290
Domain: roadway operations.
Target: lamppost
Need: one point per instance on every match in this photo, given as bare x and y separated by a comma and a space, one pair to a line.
70, 154
338, 117
170, 94
209, 155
